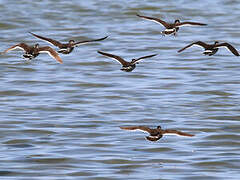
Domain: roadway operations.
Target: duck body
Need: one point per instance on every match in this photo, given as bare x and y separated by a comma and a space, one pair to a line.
210, 52
128, 68
65, 49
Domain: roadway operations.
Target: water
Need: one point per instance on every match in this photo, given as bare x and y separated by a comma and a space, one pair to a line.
62, 121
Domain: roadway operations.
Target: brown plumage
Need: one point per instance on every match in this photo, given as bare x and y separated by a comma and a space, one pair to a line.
171, 27
34, 51
66, 48
126, 66
156, 134
211, 49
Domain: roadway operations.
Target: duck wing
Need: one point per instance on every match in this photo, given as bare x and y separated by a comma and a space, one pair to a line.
51, 41
139, 128
176, 132
229, 47
87, 41
157, 20
144, 57
198, 43
51, 52
118, 58
21, 46
190, 24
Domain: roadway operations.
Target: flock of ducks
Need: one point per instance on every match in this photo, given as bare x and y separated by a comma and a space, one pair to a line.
31, 52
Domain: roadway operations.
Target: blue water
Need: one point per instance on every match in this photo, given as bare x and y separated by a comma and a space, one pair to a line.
62, 121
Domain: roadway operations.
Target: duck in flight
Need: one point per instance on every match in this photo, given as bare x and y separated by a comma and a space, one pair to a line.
171, 28
33, 51
66, 48
211, 49
126, 66
156, 134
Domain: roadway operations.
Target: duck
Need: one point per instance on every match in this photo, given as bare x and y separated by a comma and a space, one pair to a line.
211, 49
156, 133
171, 28
33, 51
66, 48
126, 66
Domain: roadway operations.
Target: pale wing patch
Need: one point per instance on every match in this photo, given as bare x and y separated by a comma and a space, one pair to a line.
198, 46
225, 48
53, 56
82, 43
10, 49
49, 42
172, 134
141, 131
175, 134
189, 24
152, 20
137, 130
184, 25
115, 60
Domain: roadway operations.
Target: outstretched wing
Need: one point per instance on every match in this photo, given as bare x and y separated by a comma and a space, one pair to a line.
175, 132
190, 24
51, 41
118, 58
87, 41
144, 57
21, 46
165, 24
229, 47
198, 43
51, 52
140, 128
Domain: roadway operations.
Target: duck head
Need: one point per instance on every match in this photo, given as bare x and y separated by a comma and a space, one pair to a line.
71, 42
36, 46
177, 21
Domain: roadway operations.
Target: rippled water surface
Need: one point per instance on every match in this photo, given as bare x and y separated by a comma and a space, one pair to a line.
62, 121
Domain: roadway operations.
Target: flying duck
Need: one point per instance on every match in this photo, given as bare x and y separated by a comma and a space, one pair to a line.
126, 66
211, 49
171, 28
66, 48
33, 51
156, 134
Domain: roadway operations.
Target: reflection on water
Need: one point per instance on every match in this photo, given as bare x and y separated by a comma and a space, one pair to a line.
62, 121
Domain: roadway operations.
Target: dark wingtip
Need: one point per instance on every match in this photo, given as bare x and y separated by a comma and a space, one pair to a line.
179, 51
153, 55
100, 52
105, 37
